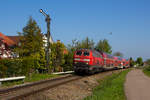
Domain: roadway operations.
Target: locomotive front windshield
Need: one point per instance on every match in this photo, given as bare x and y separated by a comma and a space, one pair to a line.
86, 53
79, 53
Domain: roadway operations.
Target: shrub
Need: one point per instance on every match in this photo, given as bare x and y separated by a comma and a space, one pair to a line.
16, 67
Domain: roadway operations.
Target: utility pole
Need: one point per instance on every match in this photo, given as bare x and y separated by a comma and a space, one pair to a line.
47, 54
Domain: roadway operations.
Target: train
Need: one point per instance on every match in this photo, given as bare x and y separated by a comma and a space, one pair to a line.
90, 61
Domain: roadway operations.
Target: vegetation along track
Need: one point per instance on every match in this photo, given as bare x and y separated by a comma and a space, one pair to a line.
24, 91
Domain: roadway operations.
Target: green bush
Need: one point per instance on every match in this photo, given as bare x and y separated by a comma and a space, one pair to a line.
16, 67
3, 69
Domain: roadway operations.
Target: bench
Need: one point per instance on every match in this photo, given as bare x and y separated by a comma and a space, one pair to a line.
11, 79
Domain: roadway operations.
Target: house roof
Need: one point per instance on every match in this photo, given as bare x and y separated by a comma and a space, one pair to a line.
6, 40
15, 39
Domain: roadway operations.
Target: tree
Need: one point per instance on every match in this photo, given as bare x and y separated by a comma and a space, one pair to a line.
119, 54
103, 46
31, 39
31, 44
87, 44
57, 55
68, 65
68, 61
139, 61
84, 44
132, 62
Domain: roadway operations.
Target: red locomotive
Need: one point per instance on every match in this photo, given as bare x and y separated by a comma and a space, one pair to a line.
92, 61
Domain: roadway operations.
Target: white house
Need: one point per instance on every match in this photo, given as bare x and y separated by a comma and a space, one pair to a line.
45, 40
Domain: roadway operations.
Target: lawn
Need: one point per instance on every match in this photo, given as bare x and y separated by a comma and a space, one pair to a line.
111, 88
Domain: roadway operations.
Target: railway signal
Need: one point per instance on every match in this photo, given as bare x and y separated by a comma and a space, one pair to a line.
47, 19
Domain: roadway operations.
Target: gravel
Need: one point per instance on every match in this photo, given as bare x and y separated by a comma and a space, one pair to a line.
76, 90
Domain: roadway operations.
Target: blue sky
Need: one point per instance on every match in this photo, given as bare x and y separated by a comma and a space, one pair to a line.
128, 20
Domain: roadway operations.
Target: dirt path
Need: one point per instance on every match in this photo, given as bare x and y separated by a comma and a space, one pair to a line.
137, 85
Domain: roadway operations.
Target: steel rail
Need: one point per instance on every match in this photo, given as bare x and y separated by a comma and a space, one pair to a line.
42, 89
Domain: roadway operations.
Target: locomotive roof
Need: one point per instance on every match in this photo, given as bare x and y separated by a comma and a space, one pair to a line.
83, 49
119, 58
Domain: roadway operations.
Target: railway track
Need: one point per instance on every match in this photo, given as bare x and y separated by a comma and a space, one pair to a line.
23, 91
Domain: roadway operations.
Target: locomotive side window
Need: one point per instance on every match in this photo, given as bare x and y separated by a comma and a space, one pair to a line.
86, 53
94, 54
79, 53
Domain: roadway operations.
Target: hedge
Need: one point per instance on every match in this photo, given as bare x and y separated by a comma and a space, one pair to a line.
17, 67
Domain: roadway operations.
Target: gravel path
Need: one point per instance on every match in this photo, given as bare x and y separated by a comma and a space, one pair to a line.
137, 85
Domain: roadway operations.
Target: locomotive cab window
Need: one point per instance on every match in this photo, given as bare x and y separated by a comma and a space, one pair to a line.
86, 53
79, 53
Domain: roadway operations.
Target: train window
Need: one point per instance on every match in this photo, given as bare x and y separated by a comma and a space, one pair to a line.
79, 53
86, 53
96, 54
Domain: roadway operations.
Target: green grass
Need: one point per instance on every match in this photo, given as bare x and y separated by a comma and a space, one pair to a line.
146, 70
32, 78
111, 88
37, 77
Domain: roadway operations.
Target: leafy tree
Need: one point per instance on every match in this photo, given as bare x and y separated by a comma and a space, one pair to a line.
31, 41
68, 61
31, 44
139, 61
87, 44
132, 62
74, 45
68, 65
57, 55
103, 46
119, 54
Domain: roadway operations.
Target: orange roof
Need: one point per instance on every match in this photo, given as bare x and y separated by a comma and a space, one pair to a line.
15, 39
6, 40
